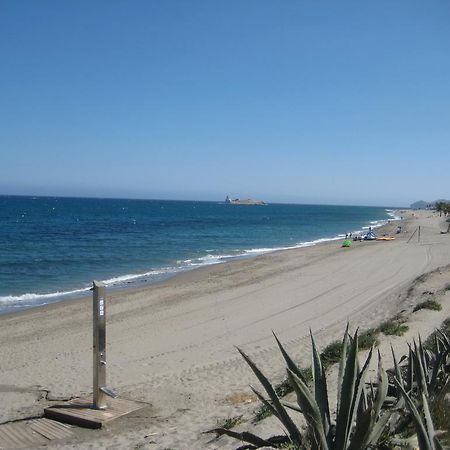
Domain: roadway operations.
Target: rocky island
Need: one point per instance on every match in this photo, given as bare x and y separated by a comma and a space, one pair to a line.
246, 201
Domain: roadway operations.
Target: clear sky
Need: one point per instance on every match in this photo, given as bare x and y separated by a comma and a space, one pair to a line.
343, 102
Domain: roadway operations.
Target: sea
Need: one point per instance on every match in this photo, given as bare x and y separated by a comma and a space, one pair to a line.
52, 248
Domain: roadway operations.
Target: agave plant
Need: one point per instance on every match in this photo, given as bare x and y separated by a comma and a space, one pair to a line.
422, 377
425, 370
360, 419
421, 418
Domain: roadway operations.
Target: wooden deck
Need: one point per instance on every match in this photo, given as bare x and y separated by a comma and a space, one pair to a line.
32, 433
80, 412
52, 427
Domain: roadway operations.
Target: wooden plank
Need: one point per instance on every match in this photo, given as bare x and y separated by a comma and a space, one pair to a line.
6, 439
19, 435
12, 437
51, 429
79, 411
69, 416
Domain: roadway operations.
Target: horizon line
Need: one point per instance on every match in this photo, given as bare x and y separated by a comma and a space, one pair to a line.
196, 200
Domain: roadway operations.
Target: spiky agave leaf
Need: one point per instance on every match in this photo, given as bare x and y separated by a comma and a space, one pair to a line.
428, 421
282, 414
347, 388
363, 424
437, 344
422, 435
266, 403
345, 343
359, 388
320, 387
310, 410
363, 398
410, 371
293, 406
290, 363
424, 356
397, 369
382, 386
444, 338
420, 369
244, 436
436, 369
351, 392
380, 420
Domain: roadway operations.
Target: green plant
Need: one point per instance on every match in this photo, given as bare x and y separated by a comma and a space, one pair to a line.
261, 413
359, 417
440, 412
368, 339
231, 422
445, 327
331, 354
393, 327
290, 446
428, 304
421, 418
421, 380
424, 370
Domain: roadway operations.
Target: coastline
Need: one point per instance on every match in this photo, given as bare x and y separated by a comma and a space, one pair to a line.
86, 295
131, 281
172, 344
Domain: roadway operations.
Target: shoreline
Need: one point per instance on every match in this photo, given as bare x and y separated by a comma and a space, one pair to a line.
172, 344
138, 281
387, 228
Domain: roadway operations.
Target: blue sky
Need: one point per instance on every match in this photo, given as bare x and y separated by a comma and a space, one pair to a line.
319, 102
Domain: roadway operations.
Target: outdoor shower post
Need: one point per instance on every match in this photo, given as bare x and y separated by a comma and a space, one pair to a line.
99, 347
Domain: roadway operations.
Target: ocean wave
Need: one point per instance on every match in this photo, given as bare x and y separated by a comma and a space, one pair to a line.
393, 214
33, 298
133, 276
207, 260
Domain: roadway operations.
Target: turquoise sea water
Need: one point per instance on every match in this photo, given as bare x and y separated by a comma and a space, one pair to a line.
52, 248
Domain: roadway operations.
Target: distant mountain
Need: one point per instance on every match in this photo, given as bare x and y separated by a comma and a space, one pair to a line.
419, 205
424, 205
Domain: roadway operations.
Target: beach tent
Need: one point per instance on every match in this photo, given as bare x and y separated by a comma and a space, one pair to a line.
370, 236
347, 243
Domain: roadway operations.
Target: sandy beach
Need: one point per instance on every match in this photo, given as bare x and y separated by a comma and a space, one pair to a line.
172, 345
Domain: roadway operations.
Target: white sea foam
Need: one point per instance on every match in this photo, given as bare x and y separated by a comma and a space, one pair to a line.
393, 214
34, 298
133, 276
207, 260
376, 224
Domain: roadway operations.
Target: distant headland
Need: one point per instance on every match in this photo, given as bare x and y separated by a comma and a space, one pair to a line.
246, 201
427, 205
